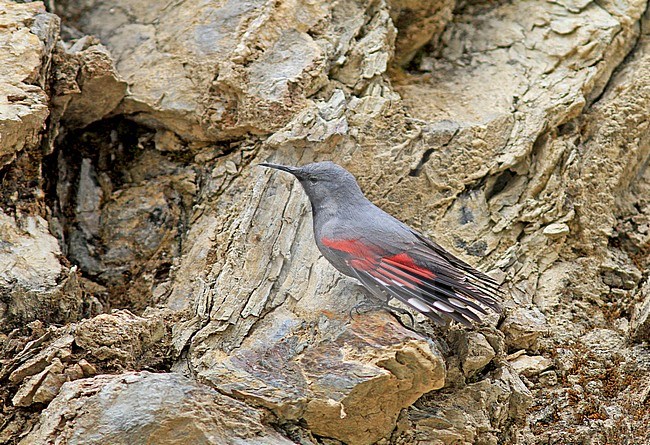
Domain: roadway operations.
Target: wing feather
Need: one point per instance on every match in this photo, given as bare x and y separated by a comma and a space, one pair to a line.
423, 276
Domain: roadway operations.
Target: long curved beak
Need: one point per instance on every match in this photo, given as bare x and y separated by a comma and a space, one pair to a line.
285, 168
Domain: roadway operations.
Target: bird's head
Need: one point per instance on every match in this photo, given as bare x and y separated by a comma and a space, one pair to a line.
324, 182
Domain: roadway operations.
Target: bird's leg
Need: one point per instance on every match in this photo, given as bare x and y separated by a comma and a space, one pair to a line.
364, 306
373, 302
381, 301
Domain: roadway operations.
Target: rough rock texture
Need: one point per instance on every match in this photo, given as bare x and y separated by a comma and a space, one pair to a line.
144, 408
335, 377
28, 36
87, 87
514, 133
418, 23
234, 67
33, 282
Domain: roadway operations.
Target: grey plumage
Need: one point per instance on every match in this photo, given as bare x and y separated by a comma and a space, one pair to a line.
385, 255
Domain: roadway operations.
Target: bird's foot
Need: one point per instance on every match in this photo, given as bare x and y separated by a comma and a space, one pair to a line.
397, 312
363, 307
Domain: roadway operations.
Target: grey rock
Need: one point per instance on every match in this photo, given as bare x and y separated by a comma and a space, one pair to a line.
475, 353
522, 328
120, 337
33, 282
331, 375
530, 365
640, 323
88, 87
472, 414
418, 23
143, 408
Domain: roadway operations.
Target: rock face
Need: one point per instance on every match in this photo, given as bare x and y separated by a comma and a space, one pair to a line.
33, 283
142, 408
30, 34
136, 232
333, 375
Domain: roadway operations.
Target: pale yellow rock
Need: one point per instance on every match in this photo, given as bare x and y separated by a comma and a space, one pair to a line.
28, 35
530, 365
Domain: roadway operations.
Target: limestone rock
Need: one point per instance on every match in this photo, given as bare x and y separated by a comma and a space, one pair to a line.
472, 414
33, 283
418, 23
517, 139
475, 353
37, 355
141, 408
331, 375
522, 327
123, 204
369, 56
528, 365
235, 67
619, 272
41, 387
556, 230
87, 86
120, 337
43, 365
640, 323
31, 33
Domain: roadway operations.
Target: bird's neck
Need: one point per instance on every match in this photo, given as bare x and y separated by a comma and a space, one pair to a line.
330, 210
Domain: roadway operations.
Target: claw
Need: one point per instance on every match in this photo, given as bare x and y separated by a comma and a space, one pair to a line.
381, 300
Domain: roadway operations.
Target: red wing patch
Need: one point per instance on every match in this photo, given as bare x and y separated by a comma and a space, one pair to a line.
404, 261
362, 257
439, 294
399, 269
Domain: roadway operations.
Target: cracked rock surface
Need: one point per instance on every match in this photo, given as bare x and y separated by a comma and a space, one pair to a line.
156, 286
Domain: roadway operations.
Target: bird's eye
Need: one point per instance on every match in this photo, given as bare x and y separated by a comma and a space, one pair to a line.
313, 181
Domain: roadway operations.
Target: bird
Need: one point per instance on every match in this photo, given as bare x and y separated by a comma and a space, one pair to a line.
389, 258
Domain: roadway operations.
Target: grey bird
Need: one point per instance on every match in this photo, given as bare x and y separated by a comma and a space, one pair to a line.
388, 257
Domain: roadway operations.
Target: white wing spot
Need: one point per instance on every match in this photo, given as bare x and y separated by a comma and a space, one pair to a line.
456, 302
419, 305
442, 306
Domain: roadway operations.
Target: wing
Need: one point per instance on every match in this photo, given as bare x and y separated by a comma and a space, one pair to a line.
423, 276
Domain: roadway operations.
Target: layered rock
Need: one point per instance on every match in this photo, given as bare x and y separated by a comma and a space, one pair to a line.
517, 138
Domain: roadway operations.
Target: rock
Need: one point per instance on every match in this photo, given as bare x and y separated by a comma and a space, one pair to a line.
418, 23
330, 375
33, 283
141, 407
121, 337
472, 414
530, 366
123, 203
43, 387
619, 272
31, 33
475, 353
87, 86
251, 68
606, 344
44, 364
556, 230
325, 122
640, 323
522, 327
38, 354
509, 140
369, 56
548, 378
